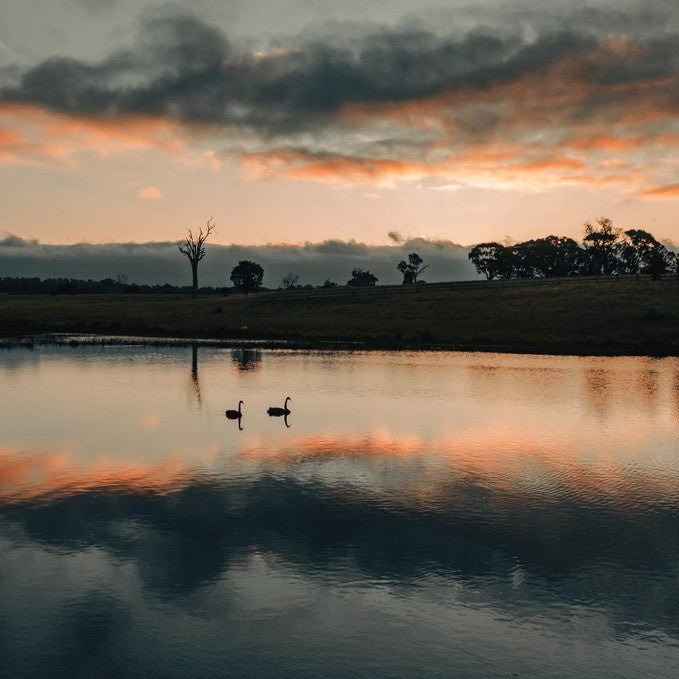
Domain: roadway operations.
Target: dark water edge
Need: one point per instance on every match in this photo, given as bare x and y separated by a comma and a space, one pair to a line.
652, 349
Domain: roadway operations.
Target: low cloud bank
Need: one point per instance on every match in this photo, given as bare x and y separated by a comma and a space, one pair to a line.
158, 263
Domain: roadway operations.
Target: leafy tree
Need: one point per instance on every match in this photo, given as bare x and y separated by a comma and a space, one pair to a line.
247, 276
289, 281
607, 250
551, 257
484, 257
601, 243
412, 268
329, 284
657, 262
360, 278
513, 262
193, 247
640, 252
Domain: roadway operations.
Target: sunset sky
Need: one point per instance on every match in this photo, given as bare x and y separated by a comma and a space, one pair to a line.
308, 120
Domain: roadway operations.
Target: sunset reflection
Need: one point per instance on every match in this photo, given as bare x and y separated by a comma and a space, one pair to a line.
501, 422
499, 494
47, 475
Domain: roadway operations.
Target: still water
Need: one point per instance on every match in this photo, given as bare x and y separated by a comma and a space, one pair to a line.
422, 514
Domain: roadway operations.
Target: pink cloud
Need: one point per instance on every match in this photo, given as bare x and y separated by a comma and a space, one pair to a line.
149, 193
670, 191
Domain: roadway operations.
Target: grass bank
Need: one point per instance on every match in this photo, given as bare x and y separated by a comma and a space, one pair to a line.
623, 316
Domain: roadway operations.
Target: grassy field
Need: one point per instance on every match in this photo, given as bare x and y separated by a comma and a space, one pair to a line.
575, 316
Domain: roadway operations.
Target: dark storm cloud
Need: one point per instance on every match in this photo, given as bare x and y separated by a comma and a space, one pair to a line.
157, 263
185, 69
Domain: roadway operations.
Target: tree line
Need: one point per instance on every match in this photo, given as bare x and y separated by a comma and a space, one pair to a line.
605, 250
78, 286
247, 276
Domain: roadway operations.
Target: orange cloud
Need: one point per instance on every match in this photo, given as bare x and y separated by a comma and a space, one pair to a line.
671, 191
607, 143
478, 167
329, 167
31, 135
149, 192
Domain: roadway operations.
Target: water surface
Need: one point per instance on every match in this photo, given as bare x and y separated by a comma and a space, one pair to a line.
423, 514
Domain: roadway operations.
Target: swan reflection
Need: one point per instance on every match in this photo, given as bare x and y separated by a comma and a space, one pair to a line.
501, 507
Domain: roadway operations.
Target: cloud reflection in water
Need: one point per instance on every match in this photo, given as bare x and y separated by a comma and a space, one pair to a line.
511, 528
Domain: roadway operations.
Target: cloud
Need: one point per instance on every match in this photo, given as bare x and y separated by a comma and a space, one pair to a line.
30, 135
9, 240
158, 263
149, 193
96, 5
557, 92
659, 192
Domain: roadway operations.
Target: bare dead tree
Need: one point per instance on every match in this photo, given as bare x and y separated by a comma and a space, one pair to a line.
193, 247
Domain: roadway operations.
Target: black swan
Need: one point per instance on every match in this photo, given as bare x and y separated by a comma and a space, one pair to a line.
235, 414
279, 412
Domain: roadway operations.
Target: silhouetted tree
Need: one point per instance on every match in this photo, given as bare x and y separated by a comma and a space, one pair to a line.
513, 262
289, 281
640, 252
484, 257
193, 247
551, 257
607, 250
360, 278
412, 268
107, 285
247, 276
601, 244
673, 263
329, 284
656, 262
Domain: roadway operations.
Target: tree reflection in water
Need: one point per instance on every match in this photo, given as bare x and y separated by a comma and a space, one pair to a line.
506, 511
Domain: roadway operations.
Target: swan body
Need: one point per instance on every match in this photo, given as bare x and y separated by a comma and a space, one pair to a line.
279, 412
234, 414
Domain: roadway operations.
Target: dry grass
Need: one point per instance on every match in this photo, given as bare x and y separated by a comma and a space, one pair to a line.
583, 317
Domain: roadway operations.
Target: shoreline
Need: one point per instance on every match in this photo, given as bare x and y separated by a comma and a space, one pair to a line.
75, 340
632, 317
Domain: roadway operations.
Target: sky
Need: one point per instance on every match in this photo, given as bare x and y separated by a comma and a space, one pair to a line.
307, 121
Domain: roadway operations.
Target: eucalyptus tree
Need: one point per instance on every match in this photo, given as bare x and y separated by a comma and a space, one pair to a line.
412, 268
193, 248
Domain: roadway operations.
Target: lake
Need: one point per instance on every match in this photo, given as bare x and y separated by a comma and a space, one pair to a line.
417, 514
